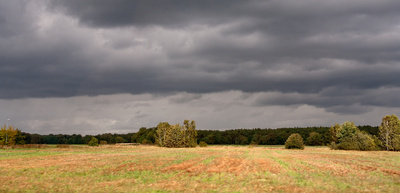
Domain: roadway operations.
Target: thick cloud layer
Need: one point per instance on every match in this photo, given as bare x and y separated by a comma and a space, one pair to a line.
340, 56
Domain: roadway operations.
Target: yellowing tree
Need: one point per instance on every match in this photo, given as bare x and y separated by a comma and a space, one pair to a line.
176, 135
161, 132
8, 135
389, 132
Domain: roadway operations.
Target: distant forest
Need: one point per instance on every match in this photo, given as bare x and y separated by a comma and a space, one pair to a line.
227, 137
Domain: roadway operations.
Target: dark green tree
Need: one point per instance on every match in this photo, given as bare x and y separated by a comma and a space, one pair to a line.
119, 140
315, 139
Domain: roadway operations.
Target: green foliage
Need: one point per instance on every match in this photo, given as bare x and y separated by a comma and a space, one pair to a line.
389, 133
119, 140
359, 141
176, 135
315, 139
93, 142
348, 137
295, 141
203, 144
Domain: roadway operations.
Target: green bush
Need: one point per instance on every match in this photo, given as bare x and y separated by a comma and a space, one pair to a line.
295, 141
93, 142
202, 144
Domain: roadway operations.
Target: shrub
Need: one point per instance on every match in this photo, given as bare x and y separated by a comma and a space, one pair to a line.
93, 142
295, 141
103, 142
202, 144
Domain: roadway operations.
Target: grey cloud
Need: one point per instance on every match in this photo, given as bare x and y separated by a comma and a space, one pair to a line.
185, 98
144, 13
329, 54
342, 101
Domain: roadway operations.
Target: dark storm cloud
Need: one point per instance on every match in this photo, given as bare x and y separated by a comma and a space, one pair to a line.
170, 13
328, 54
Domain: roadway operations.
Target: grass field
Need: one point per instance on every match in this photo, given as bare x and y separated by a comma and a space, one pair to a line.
211, 169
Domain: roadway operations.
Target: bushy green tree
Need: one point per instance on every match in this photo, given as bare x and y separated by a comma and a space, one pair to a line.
93, 142
349, 137
389, 132
315, 139
295, 141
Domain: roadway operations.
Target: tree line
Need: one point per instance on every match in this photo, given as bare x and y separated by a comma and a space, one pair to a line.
339, 136
228, 137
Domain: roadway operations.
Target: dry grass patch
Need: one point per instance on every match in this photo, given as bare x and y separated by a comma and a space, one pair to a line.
216, 168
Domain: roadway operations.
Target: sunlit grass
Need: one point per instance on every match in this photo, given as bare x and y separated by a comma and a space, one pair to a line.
215, 168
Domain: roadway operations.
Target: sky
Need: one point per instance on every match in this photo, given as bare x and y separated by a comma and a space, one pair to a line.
100, 66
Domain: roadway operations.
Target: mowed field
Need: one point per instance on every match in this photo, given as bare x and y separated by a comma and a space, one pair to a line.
212, 169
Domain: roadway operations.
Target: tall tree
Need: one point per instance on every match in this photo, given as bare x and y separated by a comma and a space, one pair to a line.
389, 132
189, 133
161, 132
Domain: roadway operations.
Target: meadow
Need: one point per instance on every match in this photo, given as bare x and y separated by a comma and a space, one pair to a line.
113, 168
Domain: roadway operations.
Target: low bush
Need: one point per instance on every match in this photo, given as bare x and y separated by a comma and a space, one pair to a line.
103, 142
202, 144
295, 141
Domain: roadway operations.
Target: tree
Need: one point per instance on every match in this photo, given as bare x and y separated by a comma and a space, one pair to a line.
119, 140
189, 133
176, 135
10, 136
333, 132
389, 132
349, 137
315, 139
161, 131
295, 141
93, 142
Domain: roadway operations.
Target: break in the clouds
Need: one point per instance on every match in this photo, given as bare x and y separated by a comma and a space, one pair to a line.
314, 61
